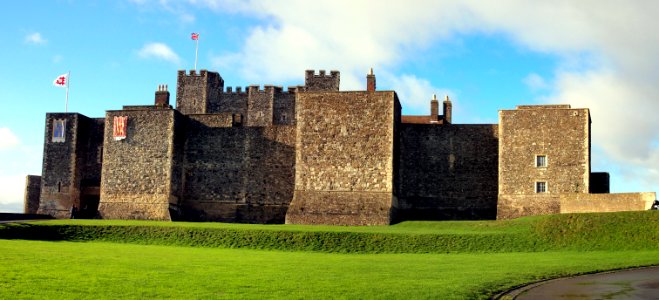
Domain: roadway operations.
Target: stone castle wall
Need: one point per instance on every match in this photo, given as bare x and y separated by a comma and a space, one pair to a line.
561, 134
322, 81
314, 155
197, 93
584, 203
344, 158
237, 174
71, 168
137, 173
32, 192
448, 171
260, 106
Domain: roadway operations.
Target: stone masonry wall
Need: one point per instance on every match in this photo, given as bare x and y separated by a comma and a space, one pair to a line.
32, 192
137, 171
322, 81
561, 134
448, 171
284, 108
344, 158
237, 174
259, 106
71, 169
198, 93
585, 203
232, 102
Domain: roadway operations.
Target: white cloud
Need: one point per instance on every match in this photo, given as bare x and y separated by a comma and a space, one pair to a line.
35, 39
159, 51
415, 93
11, 189
7, 139
535, 82
186, 18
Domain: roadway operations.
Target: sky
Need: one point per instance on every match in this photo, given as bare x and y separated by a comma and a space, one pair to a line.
485, 55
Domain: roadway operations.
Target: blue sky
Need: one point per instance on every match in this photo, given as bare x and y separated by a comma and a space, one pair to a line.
486, 55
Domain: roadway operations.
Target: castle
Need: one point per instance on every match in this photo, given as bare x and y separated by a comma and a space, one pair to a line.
315, 155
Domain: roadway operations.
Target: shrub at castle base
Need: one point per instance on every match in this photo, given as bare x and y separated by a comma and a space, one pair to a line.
315, 155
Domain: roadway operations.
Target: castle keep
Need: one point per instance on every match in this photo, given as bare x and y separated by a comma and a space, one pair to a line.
312, 154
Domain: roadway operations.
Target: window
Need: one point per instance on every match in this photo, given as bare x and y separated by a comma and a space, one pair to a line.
541, 187
541, 161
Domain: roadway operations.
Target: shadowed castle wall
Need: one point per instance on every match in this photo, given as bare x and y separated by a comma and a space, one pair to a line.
71, 168
137, 174
237, 174
32, 192
345, 158
558, 132
448, 172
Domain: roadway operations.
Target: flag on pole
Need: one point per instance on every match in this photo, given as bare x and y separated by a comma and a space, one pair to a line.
195, 37
62, 80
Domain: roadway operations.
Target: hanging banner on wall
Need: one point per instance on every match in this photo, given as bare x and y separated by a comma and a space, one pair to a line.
59, 130
119, 128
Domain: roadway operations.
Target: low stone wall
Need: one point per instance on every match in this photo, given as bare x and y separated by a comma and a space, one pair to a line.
583, 203
515, 206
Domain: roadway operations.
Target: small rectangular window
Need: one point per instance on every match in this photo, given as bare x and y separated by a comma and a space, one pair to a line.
541, 187
541, 161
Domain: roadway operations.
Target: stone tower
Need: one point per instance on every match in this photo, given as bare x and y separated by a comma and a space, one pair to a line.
197, 93
544, 151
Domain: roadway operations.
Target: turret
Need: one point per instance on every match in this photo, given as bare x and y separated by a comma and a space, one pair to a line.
322, 82
195, 92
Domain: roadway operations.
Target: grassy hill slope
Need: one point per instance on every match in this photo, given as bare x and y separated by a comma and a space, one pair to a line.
575, 232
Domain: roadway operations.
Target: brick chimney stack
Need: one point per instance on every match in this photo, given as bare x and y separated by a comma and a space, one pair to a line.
162, 96
434, 108
448, 110
370, 81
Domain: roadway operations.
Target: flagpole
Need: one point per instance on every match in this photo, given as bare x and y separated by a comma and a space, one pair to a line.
196, 51
66, 104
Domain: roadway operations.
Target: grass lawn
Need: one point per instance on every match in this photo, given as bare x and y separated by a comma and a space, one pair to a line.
117, 259
95, 270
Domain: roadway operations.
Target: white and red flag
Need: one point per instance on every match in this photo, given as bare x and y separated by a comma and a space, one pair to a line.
62, 80
195, 36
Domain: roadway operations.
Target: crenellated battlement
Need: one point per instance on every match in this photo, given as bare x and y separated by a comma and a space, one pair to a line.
239, 90
202, 73
322, 81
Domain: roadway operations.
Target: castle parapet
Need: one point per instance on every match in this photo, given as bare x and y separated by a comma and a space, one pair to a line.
322, 82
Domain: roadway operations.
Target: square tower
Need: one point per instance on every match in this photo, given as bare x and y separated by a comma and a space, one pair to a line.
345, 158
544, 151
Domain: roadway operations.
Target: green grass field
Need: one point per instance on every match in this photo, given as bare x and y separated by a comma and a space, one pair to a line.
118, 259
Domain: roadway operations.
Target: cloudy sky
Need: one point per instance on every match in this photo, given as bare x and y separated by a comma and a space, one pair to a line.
486, 55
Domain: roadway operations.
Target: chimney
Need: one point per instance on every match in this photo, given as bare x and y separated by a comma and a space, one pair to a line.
162, 96
370, 81
448, 107
434, 108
